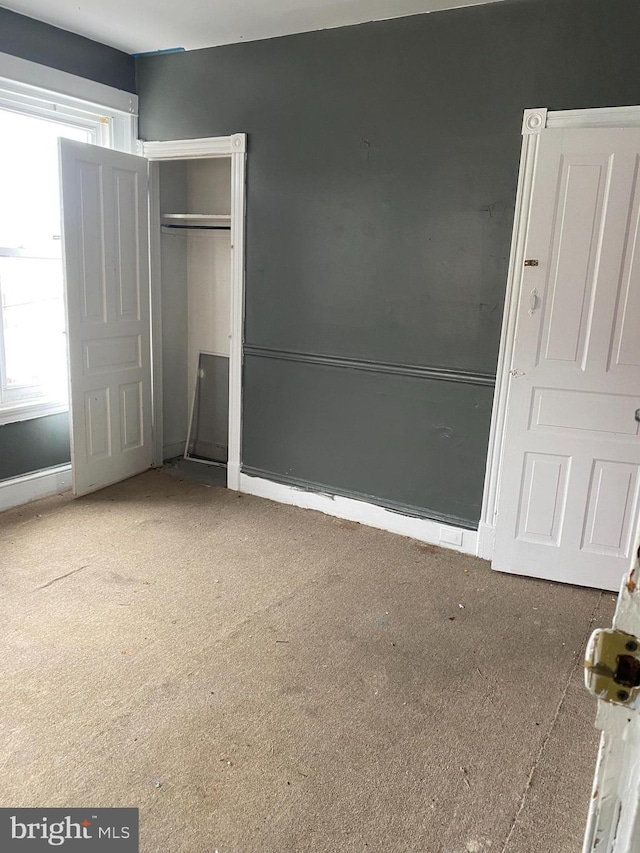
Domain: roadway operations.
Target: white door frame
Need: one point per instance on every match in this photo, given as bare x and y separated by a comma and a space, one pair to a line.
235, 147
534, 122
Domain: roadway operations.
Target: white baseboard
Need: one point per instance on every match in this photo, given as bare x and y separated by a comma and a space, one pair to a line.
31, 487
486, 541
422, 529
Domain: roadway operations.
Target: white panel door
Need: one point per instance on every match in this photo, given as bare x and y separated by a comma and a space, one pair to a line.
105, 239
568, 502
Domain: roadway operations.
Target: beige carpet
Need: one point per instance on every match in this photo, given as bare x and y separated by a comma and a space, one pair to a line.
262, 679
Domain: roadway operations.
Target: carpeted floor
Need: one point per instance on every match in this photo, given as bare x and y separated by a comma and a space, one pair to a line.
258, 678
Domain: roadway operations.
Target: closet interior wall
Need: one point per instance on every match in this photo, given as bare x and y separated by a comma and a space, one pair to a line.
195, 256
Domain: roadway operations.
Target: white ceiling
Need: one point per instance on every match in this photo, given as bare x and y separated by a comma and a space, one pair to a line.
140, 25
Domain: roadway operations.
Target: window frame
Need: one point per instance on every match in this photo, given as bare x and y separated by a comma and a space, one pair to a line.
110, 115
18, 404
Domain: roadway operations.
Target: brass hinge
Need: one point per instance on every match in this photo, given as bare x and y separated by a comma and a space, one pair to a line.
612, 666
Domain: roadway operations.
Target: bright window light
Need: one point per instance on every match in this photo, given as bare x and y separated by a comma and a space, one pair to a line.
33, 357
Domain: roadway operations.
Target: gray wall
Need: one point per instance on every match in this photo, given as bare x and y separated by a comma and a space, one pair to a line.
382, 172
31, 445
56, 48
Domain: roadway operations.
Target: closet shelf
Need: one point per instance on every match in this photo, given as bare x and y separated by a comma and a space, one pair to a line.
196, 218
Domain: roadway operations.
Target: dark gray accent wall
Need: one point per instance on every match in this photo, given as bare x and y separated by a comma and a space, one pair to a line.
32, 445
56, 48
343, 427
382, 171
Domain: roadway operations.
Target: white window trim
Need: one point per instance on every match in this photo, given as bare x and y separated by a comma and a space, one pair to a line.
21, 78
30, 88
14, 413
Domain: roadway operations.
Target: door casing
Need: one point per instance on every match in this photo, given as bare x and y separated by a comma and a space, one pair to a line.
235, 147
534, 122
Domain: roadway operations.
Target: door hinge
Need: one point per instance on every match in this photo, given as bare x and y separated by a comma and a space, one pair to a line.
612, 666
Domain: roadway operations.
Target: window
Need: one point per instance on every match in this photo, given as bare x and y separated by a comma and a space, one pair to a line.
33, 351
33, 360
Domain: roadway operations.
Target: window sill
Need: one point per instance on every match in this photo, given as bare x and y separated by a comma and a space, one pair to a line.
13, 412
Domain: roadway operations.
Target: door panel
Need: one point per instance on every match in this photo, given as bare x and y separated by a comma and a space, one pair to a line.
610, 508
568, 493
543, 497
554, 409
578, 232
127, 248
89, 244
625, 348
131, 415
105, 234
103, 355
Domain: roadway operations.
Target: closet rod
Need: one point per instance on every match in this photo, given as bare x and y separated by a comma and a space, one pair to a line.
198, 227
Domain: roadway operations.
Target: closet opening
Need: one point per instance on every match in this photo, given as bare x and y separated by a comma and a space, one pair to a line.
195, 262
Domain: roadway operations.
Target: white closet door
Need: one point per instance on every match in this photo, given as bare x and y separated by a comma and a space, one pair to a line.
105, 239
568, 502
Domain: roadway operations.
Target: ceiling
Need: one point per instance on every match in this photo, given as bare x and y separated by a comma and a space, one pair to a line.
145, 25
